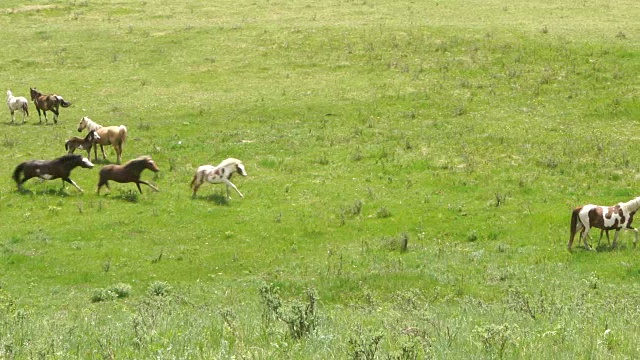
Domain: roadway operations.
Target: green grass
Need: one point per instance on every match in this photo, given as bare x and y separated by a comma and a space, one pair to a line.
470, 129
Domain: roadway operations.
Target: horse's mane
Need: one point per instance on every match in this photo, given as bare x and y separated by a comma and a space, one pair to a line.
91, 125
138, 159
68, 157
229, 161
632, 205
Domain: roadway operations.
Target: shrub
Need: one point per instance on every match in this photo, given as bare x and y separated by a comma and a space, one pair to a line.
159, 288
121, 290
100, 295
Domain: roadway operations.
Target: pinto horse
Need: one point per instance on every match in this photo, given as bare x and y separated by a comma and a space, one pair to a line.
129, 172
48, 103
17, 103
218, 174
109, 135
606, 218
50, 169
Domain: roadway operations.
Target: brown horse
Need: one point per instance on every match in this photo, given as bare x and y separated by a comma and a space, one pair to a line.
50, 169
109, 135
48, 103
129, 172
79, 143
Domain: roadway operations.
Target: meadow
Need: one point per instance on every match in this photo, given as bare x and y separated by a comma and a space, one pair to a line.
412, 167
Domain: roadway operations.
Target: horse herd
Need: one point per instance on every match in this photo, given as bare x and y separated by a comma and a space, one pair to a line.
583, 218
115, 136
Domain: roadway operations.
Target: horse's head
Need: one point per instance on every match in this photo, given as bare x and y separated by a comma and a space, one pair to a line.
85, 163
150, 164
34, 93
82, 124
9, 94
240, 169
93, 136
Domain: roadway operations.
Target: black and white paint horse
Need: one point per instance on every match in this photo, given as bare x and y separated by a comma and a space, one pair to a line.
59, 168
606, 218
218, 174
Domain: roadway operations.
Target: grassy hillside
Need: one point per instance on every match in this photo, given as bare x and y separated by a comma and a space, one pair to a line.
465, 131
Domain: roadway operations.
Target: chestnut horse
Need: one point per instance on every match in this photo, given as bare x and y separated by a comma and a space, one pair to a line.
17, 103
218, 174
129, 172
48, 103
109, 135
50, 169
607, 218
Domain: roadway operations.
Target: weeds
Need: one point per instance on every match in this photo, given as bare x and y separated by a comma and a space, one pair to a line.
300, 317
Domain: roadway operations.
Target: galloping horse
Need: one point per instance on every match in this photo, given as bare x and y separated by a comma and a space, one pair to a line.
218, 174
129, 172
615, 217
48, 103
109, 135
18, 103
50, 169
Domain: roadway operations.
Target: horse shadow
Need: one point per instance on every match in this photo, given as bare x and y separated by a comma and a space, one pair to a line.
217, 199
49, 191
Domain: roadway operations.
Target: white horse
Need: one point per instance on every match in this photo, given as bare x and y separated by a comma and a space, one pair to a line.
218, 174
18, 103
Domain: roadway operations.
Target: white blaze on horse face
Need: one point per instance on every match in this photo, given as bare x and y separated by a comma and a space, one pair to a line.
87, 162
242, 171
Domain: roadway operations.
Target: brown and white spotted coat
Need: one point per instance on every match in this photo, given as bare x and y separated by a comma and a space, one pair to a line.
615, 217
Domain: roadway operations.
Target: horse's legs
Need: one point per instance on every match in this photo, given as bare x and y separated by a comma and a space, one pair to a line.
585, 235
146, 183
104, 156
72, 183
105, 183
615, 239
39, 116
118, 151
229, 183
12, 116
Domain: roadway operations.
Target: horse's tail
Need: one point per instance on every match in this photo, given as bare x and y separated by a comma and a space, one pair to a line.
574, 225
25, 107
63, 103
16, 174
123, 134
66, 145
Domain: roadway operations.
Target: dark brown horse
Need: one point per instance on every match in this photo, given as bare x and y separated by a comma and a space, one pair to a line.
48, 103
59, 168
129, 172
79, 143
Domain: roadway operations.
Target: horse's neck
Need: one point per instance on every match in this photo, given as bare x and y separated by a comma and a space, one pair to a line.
633, 205
92, 126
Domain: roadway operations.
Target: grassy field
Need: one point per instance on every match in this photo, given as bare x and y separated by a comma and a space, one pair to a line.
412, 168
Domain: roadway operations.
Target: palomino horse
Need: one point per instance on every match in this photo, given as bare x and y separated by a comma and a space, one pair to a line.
17, 103
48, 103
50, 169
129, 172
607, 218
218, 174
109, 135
79, 143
